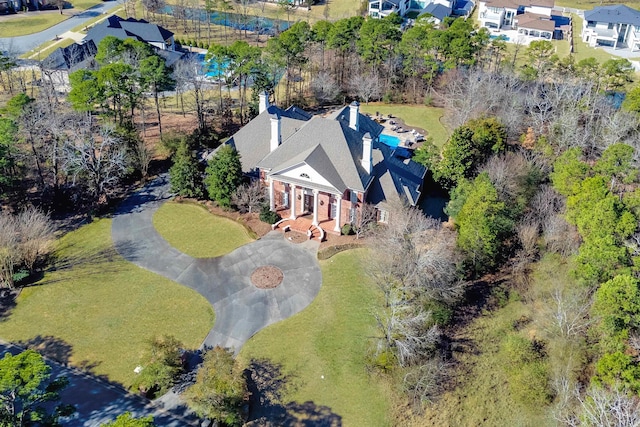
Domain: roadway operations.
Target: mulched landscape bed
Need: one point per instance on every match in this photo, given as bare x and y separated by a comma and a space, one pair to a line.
267, 277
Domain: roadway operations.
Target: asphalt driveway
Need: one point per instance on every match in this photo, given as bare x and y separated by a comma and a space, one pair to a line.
241, 308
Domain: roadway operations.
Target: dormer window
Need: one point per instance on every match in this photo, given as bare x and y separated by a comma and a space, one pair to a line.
305, 175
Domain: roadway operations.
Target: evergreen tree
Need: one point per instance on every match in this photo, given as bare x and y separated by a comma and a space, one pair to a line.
185, 176
224, 175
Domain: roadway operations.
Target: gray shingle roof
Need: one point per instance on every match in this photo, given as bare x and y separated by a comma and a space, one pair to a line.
72, 57
333, 149
253, 140
394, 177
127, 28
437, 10
617, 14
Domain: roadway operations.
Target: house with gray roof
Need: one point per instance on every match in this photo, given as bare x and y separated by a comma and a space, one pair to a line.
325, 168
138, 29
616, 26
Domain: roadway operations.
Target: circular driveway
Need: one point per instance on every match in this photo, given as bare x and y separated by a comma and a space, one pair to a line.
241, 308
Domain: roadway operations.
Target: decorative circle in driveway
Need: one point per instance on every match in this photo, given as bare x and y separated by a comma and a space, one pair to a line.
267, 277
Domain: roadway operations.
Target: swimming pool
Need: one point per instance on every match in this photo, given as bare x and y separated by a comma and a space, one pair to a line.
499, 37
212, 69
390, 140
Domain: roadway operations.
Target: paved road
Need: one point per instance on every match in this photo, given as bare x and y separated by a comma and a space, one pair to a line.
22, 44
98, 402
241, 308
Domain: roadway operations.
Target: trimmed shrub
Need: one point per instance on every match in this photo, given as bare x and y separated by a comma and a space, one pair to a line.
347, 230
268, 216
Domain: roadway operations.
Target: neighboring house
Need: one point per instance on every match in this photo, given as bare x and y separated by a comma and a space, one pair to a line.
384, 8
504, 14
612, 26
138, 29
534, 25
324, 167
62, 61
439, 9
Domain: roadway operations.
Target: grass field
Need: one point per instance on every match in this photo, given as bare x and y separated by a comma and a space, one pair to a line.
421, 116
191, 229
98, 310
26, 23
21, 25
323, 347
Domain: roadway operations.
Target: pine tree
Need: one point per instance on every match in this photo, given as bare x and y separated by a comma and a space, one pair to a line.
185, 176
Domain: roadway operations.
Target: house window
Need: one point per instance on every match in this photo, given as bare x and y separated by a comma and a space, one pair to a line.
591, 24
354, 196
334, 210
610, 26
304, 175
352, 215
285, 199
384, 216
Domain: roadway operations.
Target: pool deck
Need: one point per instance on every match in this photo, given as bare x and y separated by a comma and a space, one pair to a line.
406, 134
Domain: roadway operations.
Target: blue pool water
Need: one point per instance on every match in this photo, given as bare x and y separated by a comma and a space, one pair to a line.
390, 140
500, 37
211, 69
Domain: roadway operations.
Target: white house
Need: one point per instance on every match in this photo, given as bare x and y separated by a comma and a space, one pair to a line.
612, 26
504, 14
439, 9
384, 8
320, 171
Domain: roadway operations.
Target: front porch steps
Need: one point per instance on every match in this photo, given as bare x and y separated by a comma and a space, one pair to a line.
313, 232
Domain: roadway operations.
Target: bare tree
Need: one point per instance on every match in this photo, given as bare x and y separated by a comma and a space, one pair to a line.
415, 254
35, 236
425, 382
601, 407
98, 161
366, 218
249, 197
8, 249
405, 334
325, 88
366, 86
189, 77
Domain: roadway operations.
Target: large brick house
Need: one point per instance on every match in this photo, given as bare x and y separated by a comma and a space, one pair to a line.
325, 167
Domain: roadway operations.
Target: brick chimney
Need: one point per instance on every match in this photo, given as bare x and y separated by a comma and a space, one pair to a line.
367, 153
354, 115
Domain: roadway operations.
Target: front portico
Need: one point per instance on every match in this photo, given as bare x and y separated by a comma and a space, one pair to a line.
323, 206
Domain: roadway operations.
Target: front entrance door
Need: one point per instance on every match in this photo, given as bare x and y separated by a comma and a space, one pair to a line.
308, 203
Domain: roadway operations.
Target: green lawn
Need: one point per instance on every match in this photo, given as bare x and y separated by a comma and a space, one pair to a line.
421, 116
104, 307
29, 23
329, 338
46, 49
24, 24
191, 229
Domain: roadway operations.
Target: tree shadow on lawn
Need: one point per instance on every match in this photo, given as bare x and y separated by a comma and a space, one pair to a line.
104, 261
267, 384
7, 302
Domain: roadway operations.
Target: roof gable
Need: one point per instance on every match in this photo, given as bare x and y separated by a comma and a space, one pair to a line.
395, 177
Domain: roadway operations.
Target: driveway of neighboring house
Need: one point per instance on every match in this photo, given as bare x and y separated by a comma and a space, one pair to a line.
23, 44
241, 308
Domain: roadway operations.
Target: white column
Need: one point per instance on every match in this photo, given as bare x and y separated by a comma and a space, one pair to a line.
338, 212
272, 201
293, 202
315, 207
